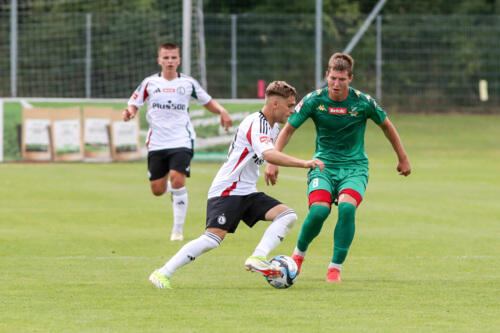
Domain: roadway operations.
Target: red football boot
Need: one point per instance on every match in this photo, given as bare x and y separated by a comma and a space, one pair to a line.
333, 275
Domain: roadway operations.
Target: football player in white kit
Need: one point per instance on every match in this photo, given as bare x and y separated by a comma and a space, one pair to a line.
233, 195
171, 135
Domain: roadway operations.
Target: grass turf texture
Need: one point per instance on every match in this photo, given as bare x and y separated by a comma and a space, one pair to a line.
78, 241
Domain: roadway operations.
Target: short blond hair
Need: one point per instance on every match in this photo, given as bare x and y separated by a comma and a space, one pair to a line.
341, 62
280, 88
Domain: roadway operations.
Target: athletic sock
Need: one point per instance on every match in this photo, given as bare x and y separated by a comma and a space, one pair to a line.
344, 232
300, 253
276, 232
336, 266
179, 206
312, 226
190, 252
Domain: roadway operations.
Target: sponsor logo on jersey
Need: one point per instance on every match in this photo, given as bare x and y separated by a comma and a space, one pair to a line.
169, 106
321, 107
169, 90
265, 139
337, 110
181, 90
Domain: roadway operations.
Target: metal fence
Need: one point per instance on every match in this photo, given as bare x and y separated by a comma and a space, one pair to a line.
425, 62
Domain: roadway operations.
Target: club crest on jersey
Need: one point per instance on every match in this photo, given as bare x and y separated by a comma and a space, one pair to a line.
337, 110
221, 219
134, 96
181, 90
353, 112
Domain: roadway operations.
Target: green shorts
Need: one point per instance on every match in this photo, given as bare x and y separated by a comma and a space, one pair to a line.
338, 180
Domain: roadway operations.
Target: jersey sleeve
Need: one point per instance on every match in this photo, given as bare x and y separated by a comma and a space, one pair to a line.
199, 94
376, 113
260, 137
140, 95
303, 111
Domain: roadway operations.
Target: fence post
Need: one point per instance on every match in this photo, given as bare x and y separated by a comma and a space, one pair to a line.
88, 57
186, 36
1, 130
234, 60
13, 48
378, 61
319, 42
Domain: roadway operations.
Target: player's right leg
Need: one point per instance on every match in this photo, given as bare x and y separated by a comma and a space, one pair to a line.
211, 239
157, 171
320, 200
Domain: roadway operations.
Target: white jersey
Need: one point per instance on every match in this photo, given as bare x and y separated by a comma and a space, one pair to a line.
168, 106
239, 174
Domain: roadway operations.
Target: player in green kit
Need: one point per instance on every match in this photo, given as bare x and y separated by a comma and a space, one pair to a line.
339, 113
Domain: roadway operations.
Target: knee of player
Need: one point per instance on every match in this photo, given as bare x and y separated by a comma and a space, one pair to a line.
319, 212
157, 192
289, 217
347, 210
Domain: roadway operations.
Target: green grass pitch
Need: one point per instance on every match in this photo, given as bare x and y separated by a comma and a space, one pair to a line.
78, 241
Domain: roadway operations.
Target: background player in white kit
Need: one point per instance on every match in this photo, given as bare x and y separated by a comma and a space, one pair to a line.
233, 195
171, 135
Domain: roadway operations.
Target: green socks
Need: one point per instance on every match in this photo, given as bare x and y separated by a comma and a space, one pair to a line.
344, 232
312, 225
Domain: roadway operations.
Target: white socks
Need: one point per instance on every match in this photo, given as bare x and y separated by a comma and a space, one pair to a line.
337, 266
276, 232
190, 252
300, 253
179, 206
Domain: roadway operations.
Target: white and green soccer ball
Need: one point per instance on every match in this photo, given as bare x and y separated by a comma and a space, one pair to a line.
289, 271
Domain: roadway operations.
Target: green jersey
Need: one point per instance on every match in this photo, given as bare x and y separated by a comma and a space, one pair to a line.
340, 126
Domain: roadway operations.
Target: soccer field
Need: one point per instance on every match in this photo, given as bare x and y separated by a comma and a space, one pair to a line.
78, 242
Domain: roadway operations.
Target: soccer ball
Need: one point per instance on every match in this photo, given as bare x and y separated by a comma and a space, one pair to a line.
289, 275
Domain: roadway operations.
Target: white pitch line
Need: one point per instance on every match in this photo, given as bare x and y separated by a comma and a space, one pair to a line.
25, 104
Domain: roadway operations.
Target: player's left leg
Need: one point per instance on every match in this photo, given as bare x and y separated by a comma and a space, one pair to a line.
351, 191
179, 166
263, 207
179, 203
283, 219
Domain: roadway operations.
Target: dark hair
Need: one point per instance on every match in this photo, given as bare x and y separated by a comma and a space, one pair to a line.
169, 46
341, 62
280, 88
